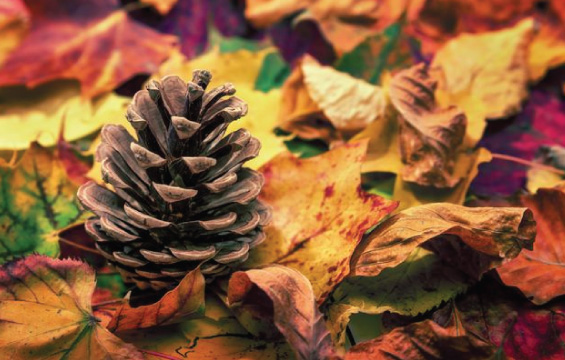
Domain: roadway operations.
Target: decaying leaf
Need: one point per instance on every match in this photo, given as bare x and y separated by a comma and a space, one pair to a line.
539, 273
88, 40
420, 283
217, 335
241, 69
40, 114
294, 309
45, 313
184, 301
36, 198
491, 67
425, 340
493, 234
14, 23
318, 99
320, 213
428, 135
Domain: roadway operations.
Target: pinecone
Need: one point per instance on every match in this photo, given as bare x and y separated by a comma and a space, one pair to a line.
180, 197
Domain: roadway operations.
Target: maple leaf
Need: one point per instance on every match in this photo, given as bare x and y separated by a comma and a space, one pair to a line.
216, 335
45, 113
294, 309
46, 313
538, 273
37, 199
319, 214
71, 42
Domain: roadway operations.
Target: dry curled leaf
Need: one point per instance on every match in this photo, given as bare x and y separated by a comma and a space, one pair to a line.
294, 309
428, 135
184, 301
45, 313
320, 214
88, 40
491, 67
315, 94
425, 340
493, 234
539, 273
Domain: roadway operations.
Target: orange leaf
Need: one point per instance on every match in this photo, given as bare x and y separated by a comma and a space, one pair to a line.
540, 274
14, 23
88, 40
294, 309
45, 312
320, 214
184, 301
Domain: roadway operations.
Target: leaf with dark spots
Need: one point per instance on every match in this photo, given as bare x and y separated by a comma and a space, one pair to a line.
45, 311
36, 199
294, 310
319, 214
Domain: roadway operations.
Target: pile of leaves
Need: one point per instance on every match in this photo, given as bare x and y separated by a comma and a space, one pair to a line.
413, 156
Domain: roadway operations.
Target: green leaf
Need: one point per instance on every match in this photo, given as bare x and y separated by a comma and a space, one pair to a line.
36, 199
273, 72
306, 148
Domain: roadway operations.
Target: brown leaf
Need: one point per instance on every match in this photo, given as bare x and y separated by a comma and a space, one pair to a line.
429, 135
184, 301
294, 309
45, 307
88, 40
320, 214
474, 239
540, 274
425, 340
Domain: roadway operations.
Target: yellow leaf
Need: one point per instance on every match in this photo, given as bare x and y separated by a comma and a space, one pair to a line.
491, 66
45, 313
14, 24
241, 69
37, 114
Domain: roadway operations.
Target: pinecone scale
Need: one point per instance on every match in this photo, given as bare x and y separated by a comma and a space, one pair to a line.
179, 196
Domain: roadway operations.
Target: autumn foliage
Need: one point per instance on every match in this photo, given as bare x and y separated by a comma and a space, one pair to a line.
412, 171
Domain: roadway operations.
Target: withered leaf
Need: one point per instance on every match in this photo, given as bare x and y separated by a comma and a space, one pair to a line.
425, 340
474, 239
540, 273
320, 214
184, 301
88, 40
45, 312
429, 135
294, 309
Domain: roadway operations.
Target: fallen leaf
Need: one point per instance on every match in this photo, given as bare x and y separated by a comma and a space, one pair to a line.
217, 335
494, 234
320, 214
88, 40
14, 24
75, 243
184, 301
240, 68
497, 75
162, 6
315, 93
520, 138
415, 286
40, 114
425, 340
552, 171
37, 199
539, 273
294, 309
46, 313
428, 135
517, 328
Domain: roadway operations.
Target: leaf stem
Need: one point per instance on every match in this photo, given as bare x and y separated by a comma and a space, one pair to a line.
79, 246
350, 336
159, 355
107, 302
528, 163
